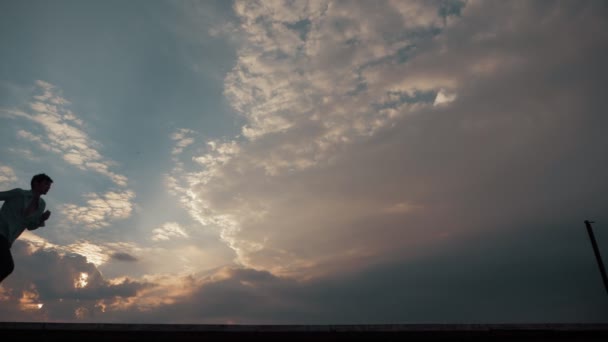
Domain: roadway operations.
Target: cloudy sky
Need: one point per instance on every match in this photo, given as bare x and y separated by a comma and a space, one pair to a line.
307, 162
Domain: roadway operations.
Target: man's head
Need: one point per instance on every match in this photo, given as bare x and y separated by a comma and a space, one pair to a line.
41, 183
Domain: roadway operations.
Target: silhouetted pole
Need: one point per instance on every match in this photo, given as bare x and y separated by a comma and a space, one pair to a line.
597, 254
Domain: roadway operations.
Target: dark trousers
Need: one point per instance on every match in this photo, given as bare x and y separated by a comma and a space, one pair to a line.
7, 265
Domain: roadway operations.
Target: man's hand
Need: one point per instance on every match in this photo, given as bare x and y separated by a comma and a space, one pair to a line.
45, 216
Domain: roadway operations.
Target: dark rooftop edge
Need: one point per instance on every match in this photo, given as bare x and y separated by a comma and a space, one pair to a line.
126, 327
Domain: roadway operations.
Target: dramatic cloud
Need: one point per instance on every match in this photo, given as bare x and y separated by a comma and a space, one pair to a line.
168, 231
95, 253
376, 131
393, 162
64, 132
461, 281
100, 210
70, 288
7, 176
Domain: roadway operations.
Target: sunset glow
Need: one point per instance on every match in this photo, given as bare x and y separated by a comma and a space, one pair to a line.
304, 161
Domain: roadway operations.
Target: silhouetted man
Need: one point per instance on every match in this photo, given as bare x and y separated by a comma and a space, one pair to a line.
21, 209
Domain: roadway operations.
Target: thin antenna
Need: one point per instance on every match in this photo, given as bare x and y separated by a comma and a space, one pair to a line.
597, 253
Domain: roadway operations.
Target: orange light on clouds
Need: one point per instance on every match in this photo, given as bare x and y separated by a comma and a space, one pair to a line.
81, 312
29, 301
101, 306
81, 282
94, 253
169, 290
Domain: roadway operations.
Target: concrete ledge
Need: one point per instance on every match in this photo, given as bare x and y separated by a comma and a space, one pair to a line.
382, 332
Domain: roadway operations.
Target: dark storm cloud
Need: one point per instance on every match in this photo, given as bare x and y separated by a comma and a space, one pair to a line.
499, 180
62, 284
522, 141
120, 256
500, 279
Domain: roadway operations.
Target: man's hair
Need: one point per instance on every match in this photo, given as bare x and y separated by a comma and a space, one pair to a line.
39, 178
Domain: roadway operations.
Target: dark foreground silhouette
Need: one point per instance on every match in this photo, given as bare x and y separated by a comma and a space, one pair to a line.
22, 209
292, 333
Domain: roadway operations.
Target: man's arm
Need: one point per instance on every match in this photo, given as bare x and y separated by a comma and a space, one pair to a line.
7, 195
